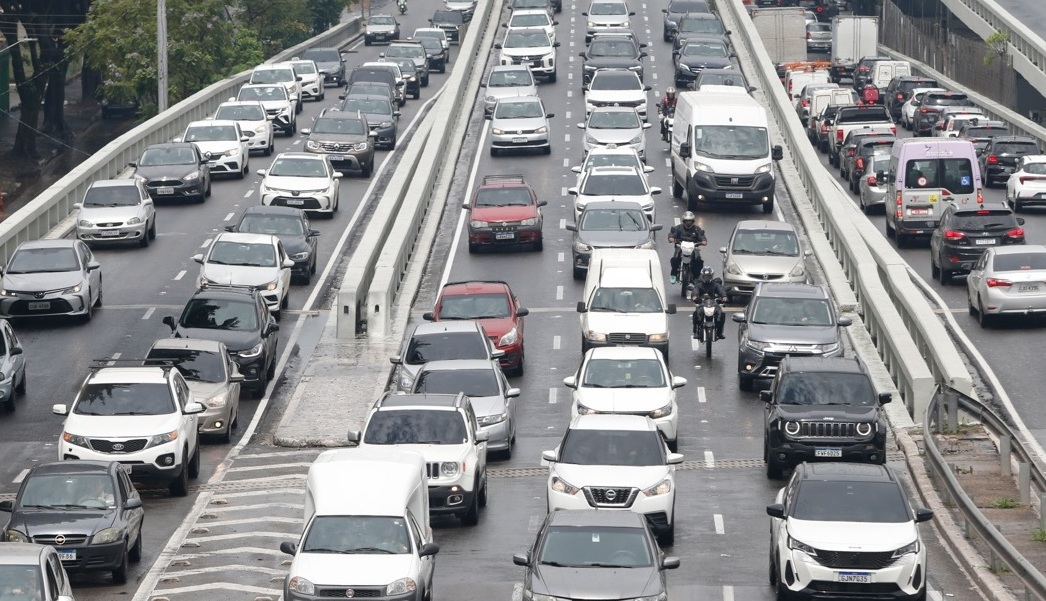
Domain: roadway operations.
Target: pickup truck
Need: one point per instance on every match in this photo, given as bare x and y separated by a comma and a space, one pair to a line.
873, 117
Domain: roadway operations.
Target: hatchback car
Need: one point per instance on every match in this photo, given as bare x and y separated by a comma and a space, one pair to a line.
761, 251
226, 143
614, 183
865, 151
532, 19
345, 139
1026, 186
381, 28
519, 123
964, 232
174, 171
612, 52
871, 190
608, 224
292, 227
497, 310
258, 261
505, 212
440, 341
405, 85
507, 81
254, 123
1007, 280
381, 117
617, 126
617, 88
610, 156
818, 37
605, 16
530, 47
116, 210
278, 105
437, 53
51, 277
436, 33
909, 110
32, 571
303, 181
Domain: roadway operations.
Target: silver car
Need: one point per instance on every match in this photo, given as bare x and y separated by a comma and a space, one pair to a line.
617, 127
818, 37
381, 28
761, 251
116, 210
1007, 280
519, 123
51, 277
24, 566
871, 190
507, 81
440, 341
12, 366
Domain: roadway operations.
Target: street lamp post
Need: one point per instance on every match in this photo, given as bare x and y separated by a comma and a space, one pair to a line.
161, 55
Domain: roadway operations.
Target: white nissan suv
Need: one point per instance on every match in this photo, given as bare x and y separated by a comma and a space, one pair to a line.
143, 417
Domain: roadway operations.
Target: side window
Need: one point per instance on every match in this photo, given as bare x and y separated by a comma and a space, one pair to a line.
182, 391
52, 579
10, 337
470, 416
127, 490
415, 531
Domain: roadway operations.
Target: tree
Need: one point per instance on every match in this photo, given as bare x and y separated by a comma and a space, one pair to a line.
280, 23
325, 14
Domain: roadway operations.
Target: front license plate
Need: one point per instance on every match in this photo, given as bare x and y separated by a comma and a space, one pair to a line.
165, 191
337, 157
504, 236
985, 241
734, 195
295, 203
828, 452
108, 233
1027, 287
212, 163
855, 577
67, 555
519, 140
41, 306
918, 212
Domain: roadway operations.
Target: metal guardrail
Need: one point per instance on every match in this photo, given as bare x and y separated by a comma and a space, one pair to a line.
55, 204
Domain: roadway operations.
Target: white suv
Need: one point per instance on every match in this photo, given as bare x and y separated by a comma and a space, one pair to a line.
444, 429
615, 462
627, 380
530, 47
143, 417
223, 143
283, 74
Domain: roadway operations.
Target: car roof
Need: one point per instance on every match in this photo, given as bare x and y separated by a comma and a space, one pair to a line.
613, 170
764, 224
439, 327
623, 353
593, 517
16, 554
173, 144
233, 293
130, 375
80, 466
474, 287
530, 11
793, 363
613, 109
62, 243
245, 238
272, 210
241, 103
1017, 249
114, 183
302, 155
520, 99
430, 401
847, 472
791, 290
455, 364
211, 122
613, 421
189, 344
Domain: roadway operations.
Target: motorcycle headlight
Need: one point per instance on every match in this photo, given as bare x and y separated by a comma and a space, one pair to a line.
73, 289
300, 256
561, 485
75, 439
360, 146
195, 175
510, 337
402, 586
596, 336
757, 345
497, 131
104, 537
646, 245
801, 546
661, 411
252, 352
791, 428
134, 221
14, 536
449, 469
763, 169
312, 145
703, 167
490, 420
733, 268
912, 547
301, 585
159, 439
529, 221
661, 488
216, 402
476, 224
656, 338
797, 271
84, 223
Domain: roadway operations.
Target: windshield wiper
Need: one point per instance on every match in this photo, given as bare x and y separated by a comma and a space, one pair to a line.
322, 550
557, 564
370, 550
38, 507
607, 309
606, 565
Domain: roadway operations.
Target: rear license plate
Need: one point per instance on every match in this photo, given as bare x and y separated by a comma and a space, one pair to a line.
67, 555
519, 140
42, 306
734, 195
855, 577
984, 241
504, 236
295, 203
109, 233
1027, 287
918, 211
165, 191
828, 452
337, 157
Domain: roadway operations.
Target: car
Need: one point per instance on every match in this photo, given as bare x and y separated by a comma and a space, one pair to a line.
627, 380
370, 88
345, 139
119, 109
697, 24
413, 50
675, 11
614, 183
866, 149
608, 224
529, 47
818, 37
863, 71
1027, 184
590, 554
606, 16
410, 70
999, 158
519, 123
433, 32
722, 77
278, 105
1007, 280
330, 62
249, 260
212, 376
700, 52
282, 74
445, 430
254, 123
548, 6
617, 126
310, 80
440, 341
87, 510
495, 307
174, 171
396, 76
964, 232
12, 366
981, 131
612, 52
954, 117
822, 409
397, 85
505, 211
49, 278
611, 156
822, 125
301, 180
760, 251
451, 22
116, 210
534, 18
381, 117
226, 143
899, 90
785, 319
437, 53
467, 8
381, 28
849, 527
847, 153
616, 88
930, 106
241, 319
142, 416
24, 566
871, 190
910, 108
804, 102
489, 392
292, 227
507, 81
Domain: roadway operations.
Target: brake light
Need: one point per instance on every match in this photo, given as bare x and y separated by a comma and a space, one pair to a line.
993, 160
900, 96
871, 181
820, 9
824, 128
923, 110
809, 36
806, 102
893, 131
1016, 233
851, 152
859, 163
863, 69
997, 283
953, 235
838, 135
790, 86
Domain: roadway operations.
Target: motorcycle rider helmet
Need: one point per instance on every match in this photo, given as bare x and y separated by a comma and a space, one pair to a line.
706, 274
688, 218
670, 93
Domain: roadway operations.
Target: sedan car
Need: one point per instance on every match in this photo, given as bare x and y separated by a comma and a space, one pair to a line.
614, 184
504, 212
451, 22
699, 53
616, 88
608, 224
441, 341
519, 123
278, 105
507, 81
616, 126
610, 156
761, 251
301, 180
818, 37
344, 138
12, 366
910, 108
964, 232
438, 54
51, 277
530, 47
292, 227
116, 210
612, 52
381, 28
495, 307
676, 10
381, 117
413, 50
226, 143
254, 122
330, 62
174, 171
999, 159
87, 510
254, 260
1007, 280
24, 566
1027, 185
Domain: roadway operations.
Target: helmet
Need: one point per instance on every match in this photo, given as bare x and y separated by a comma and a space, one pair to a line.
706, 274
670, 92
689, 216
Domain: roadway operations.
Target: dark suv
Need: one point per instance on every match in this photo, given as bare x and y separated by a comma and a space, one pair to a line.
999, 157
900, 89
863, 71
980, 132
963, 234
930, 109
612, 52
822, 409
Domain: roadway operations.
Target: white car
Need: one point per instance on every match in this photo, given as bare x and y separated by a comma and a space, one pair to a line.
627, 380
615, 463
116, 210
278, 106
283, 74
434, 32
301, 180
226, 143
616, 87
912, 105
254, 123
311, 80
519, 123
617, 126
507, 81
607, 16
614, 183
530, 47
1027, 184
143, 417
256, 260
533, 18
846, 525
610, 156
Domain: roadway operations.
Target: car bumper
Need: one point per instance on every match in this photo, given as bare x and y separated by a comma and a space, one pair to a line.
162, 191
998, 173
817, 45
350, 160
996, 301
381, 36
129, 233
760, 189
661, 507
447, 500
315, 203
215, 420
661, 346
503, 141
914, 227
257, 141
872, 199
312, 89
1031, 197
499, 436
513, 356
811, 580
763, 366
161, 463
251, 368
509, 237
791, 453
28, 306
92, 557
334, 77
226, 165
961, 260
745, 284
384, 135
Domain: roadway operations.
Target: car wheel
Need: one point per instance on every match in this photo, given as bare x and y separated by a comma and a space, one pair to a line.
552, 78
773, 470
365, 169
120, 573
21, 387
9, 404
286, 300
243, 171
935, 272
322, 96
207, 192
945, 275
673, 445
267, 152
90, 309
783, 594
152, 230
144, 242
226, 436
135, 554
969, 304
983, 319
392, 144
483, 493
771, 572
1017, 206
547, 149
179, 487
471, 515
473, 249
259, 387
416, 94
194, 463
425, 81
98, 301
493, 151
539, 245
677, 188
579, 274
270, 372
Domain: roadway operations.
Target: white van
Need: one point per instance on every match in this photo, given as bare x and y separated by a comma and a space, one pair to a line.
797, 79
366, 527
721, 150
884, 71
625, 301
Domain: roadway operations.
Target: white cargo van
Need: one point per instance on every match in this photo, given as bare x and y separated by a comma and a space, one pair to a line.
884, 71
366, 527
721, 150
625, 302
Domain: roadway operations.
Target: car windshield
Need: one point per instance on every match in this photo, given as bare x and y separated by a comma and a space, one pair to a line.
955, 175
1019, 261
67, 491
709, 49
228, 252
503, 197
112, 196
416, 426
241, 113
614, 120
273, 225
535, 20
792, 312
448, 16
527, 39
608, 8
687, 6
306, 67
196, 366
263, 93
446, 346
473, 382
614, 185
712, 26
409, 50
983, 220
721, 79
345, 127
839, 501
595, 547
43, 260
323, 55
474, 306
731, 141
613, 220
826, 389
626, 300
368, 106
357, 535
294, 167
211, 133
617, 373
155, 157
217, 314
616, 81
272, 76
510, 79
125, 399
629, 448
382, 20
518, 110
766, 242
611, 48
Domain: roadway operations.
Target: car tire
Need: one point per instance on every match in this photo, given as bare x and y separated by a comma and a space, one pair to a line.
20, 388
267, 152
144, 242
668, 537
493, 151
473, 249
322, 96
90, 309
579, 274
1017, 206
482, 494
101, 289
152, 230
243, 171
120, 572
983, 319
259, 387
9, 404
194, 463
673, 445
539, 245
552, 78
471, 515
935, 272
773, 470
771, 572
270, 372
365, 170
135, 553
179, 487
944, 275
677, 188
207, 192
226, 436
285, 302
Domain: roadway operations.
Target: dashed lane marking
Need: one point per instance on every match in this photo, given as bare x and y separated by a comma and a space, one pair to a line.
206, 243
709, 460
553, 393
181, 274
559, 293
21, 475
561, 257
701, 394
717, 519
149, 313
229, 217
556, 340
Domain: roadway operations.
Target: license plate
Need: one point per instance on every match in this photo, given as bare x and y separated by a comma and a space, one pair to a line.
43, 306
855, 577
984, 241
828, 452
212, 163
165, 191
337, 157
504, 236
109, 233
67, 555
519, 140
734, 195
295, 203
918, 211
1027, 287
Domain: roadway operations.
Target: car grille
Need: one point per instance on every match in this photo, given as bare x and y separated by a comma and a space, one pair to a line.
505, 227
70, 539
336, 146
874, 590
610, 497
827, 430
165, 183
632, 104
109, 224
298, 202
739, 182
58, 305
626, 338
343, 592
432, 469
103, 445
272, 112
766, 277
854, 559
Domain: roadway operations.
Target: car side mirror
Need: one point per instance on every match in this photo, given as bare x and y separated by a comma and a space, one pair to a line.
674, 458
885, 397
497, 354
260, 172
654, 190
738, 317
550, 115
647, 126
482, 436
670, 309
504, 24
522, 312
678, 381
570, 381
16, 350
581, 307
513, 393
684, 151
766, 396
669, 563
488, 116
657, 227
244, 139
230, 228
395, 360
777, 153
134, 503
580, 125
169, 321
428, 549
353, 436
314, 233
555, 44
306, 131
93, 265
521, 559
59, 409
923, 514
176, 140
844, 321
236, 377
571, 227
132, 164
428, 316
647, 88
198, 258
572, 191
777, 510
550, 456
287, 264
396, 114
643, 55
288, 547
631, 13
193, 408
497, 46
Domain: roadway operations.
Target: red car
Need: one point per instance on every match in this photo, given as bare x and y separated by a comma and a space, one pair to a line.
504, 212
496, 309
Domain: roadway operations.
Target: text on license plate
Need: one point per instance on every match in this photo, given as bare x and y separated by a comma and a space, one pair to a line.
1027, 287
828, 452
519, 140
165, 191
41, 306
984, 241
918, 211
857, 577
295, 203
504, 236
734, 195
67, 555
109, 233
337, 157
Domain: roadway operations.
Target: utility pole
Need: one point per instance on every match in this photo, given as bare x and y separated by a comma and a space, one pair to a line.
161, 55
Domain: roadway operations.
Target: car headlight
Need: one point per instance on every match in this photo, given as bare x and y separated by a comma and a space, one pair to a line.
791, 428
385, 124
655, 338
6, 292
582, 247
662, 596
76, 440
510, 337
310, 145
490, 420
541, 130
73, 289
14, 536
195, 175
216, 402
797, 271
703, 167
828, 348
476, 224
733, 268
592, 24
104, 537
596, 336
757, 345
449, 469
401, 587
261, 129
661, 411
636, 140
763, 169
585, 410
300, 256
530, 221
406, 380
590, 139
301, 585
864, 429
661, 488
683, 67
84, 223
646, 245
232, 153
491, 99
532, 596
801, 546
160, 439
252, 352
359, 146
912, 547
273, 284
497, 131
134, 221
561, 485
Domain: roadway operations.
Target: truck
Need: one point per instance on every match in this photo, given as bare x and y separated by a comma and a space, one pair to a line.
783, 31
853, 37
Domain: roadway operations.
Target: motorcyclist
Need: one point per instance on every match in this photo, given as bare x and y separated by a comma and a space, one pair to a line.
667, 108
402, 5
713, 287
687, 231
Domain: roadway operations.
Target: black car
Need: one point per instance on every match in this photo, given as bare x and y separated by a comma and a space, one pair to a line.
699, 53
695, 24
899, 90
848, 149
174, 171
291, 226
964, 232
999, 157
981, 131
438, 55
822, 409
609, 224
452, 22
409, 71
612, 52
863, 71
592, 554
722, 77
930, 109
87, 510
676, 10
822, 125
239, 317
330, 62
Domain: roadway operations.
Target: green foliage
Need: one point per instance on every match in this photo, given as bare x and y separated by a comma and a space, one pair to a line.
1005, 503
996, 43
1039, 535
280, 23
325, 14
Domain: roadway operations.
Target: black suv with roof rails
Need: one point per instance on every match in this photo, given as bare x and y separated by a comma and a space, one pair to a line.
999, 157
965, 231
899, 90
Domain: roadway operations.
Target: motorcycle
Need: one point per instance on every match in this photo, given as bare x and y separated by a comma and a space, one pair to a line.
667, 119
707, 309
687, 250
402, 4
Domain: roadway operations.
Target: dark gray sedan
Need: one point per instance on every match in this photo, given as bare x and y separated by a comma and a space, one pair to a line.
609, 224
174, 171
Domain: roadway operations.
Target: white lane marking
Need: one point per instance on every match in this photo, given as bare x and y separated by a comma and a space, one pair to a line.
464, 214
562, 224
654, 75
566, 115
21, 475
701, 394
566, 137
718, 520
695, 344
571, 74
572, 43
149, 313
570, 93
728, 593
206, 243
677, 220
552, 393
709, 460
181, 274
563, 191
561, 257
559, 293
249, 192
566, 162
229, 217
114, 358
556, 340
668, 162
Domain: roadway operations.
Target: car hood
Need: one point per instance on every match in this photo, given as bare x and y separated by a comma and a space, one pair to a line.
303, 184
381, 28
239, 275
623, 400
270, 105
793, 334
294, 244
615, 96
618, 239
488, 405
234, 340
852, 536
613, 136
829, 413
644, 200
504, 214
761, 264
333, 569
611, 62
376, 119
500, 92
496, 327
51, 522
217, 147
595, 583
109, 214
121, 426
166, 172
529, 123
649, 323
339, 139
434, 452
30, 282
201, 391
707, 62
607, 19
533, 51
328, 65
611, 475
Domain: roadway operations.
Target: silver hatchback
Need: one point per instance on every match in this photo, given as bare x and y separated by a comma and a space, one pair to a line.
762, 251
116, 210
518, 123
871, 189
32, 571
507, 81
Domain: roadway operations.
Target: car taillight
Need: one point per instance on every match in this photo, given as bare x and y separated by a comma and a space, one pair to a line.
871, 181
806, 102
953, 235
900, 97
997, 283
993, 160
790, 84
859, 164
824, 128
1027, 178
820, 9
893, 130
850, 152
923, 110
838, 135
1016, 233
809, 36
863, 69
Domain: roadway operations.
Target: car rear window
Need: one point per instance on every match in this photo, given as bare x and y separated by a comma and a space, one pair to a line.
909, 85
984, 220
864, 114
474, 306
1019, 262
947, 100
984, 132
1016, 148
446, 346
955, 175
